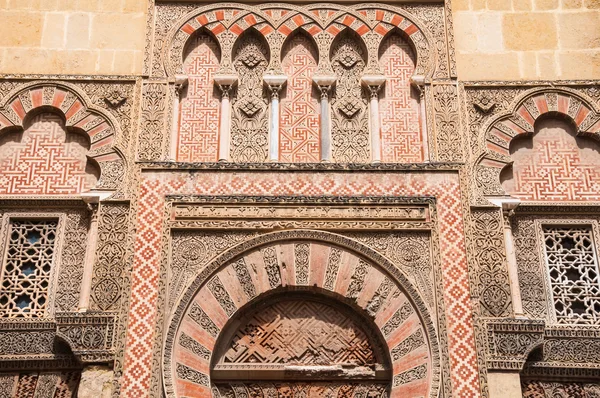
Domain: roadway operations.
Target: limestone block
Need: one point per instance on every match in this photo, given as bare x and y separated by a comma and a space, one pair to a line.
592, 3
465, 31
528, 65
477, 5
579, 64
579, 30
460, 5
530, 31
547, 64
568, 4
118, 31
78, 31
522, 5
499, 5
21, 28
543, 5
53, 35
96, 382
488, 66
489, 35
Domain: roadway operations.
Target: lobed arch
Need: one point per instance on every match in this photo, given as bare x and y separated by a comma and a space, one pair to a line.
527, 109
79, 115
227, 21
302, 261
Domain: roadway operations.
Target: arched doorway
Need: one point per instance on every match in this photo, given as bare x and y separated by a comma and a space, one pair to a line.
300, 341
364, 329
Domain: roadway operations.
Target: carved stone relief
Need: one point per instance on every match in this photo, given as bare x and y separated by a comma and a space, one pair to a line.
350, 121
249, 120
110, 266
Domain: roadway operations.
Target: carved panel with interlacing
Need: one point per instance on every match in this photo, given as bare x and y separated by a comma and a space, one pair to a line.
45, 159
401, 139
300, 332
199, 120
301, 390
299, 125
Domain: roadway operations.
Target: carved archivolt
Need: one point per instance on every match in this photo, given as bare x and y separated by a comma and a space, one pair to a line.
79, 114
301, 262
497, 134
277, 21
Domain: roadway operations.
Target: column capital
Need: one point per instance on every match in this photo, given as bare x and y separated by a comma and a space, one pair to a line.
324, 82
374, 83
225, 82
275, 82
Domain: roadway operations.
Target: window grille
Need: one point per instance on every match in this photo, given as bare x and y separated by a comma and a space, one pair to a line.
27, 268
573, 270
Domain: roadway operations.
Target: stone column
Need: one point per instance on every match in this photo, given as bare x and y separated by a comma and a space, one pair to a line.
374, 83
418, 83
325, 82
181, 81
274, 82
90, 253
511, 260
225, 83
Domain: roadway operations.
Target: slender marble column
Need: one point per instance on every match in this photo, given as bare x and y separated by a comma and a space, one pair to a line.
225, 82
90, 252
511, 260
325, 82
275, 82
181, 81
418, 82
374, 83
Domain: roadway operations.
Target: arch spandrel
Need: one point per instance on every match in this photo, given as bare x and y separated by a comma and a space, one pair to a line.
297, 264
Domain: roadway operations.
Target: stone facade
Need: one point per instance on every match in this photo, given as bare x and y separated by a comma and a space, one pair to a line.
299, 200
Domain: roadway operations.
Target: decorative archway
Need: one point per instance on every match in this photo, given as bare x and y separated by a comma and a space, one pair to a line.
375, 292
498, 133
78, 114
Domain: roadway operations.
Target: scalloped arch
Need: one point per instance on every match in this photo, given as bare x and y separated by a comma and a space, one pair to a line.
101, 127
316, 19
288, 258
498, 133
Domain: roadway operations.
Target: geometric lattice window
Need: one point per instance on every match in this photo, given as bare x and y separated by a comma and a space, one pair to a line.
27, 268
573, 269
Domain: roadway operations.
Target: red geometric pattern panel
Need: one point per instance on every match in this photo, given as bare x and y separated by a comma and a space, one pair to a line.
555, 165
199, 119
41, 161
401, 139
146, 268
299, 125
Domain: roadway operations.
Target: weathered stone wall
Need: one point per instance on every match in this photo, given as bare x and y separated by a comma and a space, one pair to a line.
72, 36
527, 39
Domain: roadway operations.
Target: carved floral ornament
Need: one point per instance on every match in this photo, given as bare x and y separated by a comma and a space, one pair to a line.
276, 22
497, 134
79, 114
303, 262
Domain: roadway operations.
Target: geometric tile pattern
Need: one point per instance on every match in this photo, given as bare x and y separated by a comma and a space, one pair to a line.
400, 127
556, 166
199, 118
299, 123
145, 274
45, 159
301, 331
